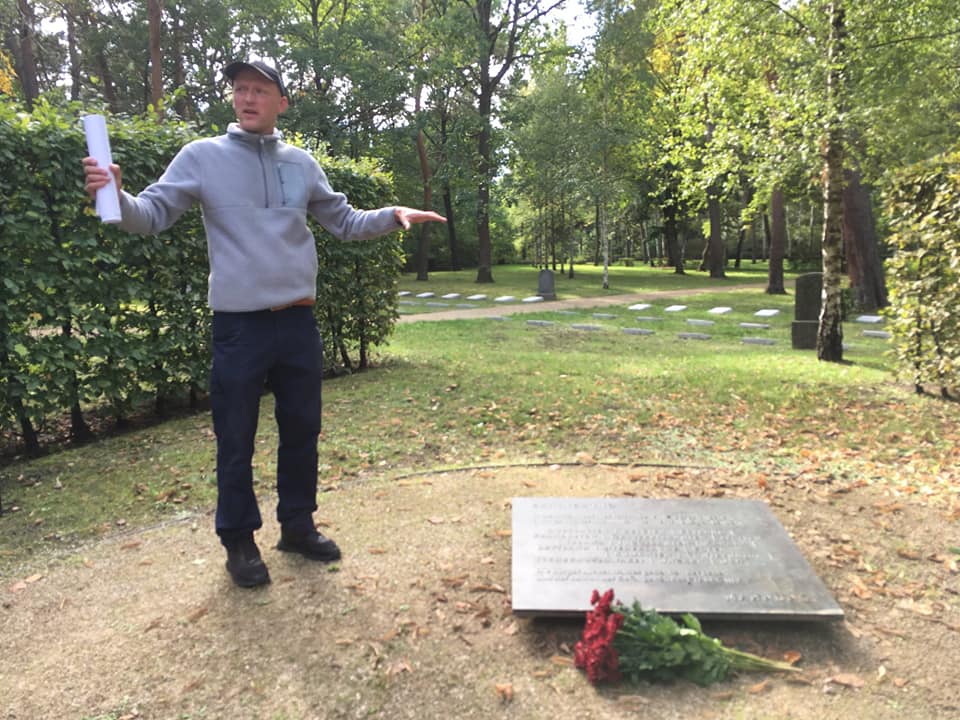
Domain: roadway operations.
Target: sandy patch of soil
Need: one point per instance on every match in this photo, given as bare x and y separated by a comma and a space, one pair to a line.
416, 620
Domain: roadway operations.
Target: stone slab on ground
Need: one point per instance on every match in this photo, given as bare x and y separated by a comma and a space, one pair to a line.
715, 558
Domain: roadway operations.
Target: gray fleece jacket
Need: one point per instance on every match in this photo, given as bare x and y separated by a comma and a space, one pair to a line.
255, 192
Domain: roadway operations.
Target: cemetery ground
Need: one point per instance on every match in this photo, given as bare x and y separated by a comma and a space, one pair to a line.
114, 602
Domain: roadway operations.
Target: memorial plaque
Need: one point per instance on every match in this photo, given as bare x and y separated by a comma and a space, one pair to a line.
715, 558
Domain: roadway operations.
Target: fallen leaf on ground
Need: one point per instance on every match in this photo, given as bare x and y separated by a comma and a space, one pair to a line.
847, 680
792, 657
760, 687
504, 691
197, 614
917, 607
585, 458
909, 554
400, 666
561, 660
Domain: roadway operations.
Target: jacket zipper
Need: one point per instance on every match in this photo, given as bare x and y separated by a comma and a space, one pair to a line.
263, 172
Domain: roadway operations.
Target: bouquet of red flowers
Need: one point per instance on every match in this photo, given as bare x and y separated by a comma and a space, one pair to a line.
643, 645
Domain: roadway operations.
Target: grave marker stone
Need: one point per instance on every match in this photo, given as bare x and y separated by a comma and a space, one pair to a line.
640, 306
806, 316
637, 331
675, 308
545, 285
693, 336
716, 558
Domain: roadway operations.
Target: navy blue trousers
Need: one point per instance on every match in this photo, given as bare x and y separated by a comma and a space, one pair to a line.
284, 349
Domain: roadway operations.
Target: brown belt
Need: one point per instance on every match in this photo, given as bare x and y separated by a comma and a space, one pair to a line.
296, 303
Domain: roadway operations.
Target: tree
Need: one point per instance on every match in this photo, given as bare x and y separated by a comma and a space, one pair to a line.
154, 13
503, 34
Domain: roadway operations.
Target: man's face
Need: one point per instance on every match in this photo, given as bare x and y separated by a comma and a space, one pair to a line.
257, 102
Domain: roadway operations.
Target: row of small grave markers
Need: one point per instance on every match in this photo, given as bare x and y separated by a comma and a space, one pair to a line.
719, 310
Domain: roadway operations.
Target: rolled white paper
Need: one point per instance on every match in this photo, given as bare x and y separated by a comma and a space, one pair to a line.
98, 145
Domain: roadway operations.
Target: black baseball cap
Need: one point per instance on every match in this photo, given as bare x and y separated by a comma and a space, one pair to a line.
258, 66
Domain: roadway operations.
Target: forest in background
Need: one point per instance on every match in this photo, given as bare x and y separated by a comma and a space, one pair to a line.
684, 133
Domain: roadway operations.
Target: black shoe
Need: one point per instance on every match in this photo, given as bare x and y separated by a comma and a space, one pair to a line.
245, 565
311, 544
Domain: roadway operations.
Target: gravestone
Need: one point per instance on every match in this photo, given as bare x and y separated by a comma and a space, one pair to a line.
637, 331
806, 314
716, 558
693, 336
545, 286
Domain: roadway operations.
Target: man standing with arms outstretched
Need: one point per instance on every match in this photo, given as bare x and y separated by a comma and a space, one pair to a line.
255, 192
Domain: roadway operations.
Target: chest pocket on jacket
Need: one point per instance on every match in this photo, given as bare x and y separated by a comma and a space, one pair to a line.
293, 186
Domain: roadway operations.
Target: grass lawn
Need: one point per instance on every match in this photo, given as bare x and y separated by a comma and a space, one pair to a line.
521, 280
478, 392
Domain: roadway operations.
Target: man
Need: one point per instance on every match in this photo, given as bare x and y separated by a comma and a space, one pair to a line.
255, 192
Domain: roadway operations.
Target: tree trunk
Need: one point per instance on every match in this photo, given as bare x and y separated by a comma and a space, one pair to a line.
864, 265
830, 333
674, 256
485, 250
423, 240
72, 52
180, 103
154, 11
778, 242
27, 60
451, 228
715, 249
485, 107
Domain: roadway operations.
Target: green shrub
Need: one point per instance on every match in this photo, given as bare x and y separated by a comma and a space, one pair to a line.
91, 315
923, 206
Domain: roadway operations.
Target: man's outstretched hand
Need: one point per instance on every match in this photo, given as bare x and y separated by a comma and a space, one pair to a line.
409, 216
96, 177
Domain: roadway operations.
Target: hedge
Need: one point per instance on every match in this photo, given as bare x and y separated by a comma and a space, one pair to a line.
923, 207
93, 316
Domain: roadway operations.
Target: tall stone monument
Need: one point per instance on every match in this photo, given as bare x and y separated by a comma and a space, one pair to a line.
545, 287
806, 315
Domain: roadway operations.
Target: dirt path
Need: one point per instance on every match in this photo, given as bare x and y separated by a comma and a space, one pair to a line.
416, 621
547, 306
